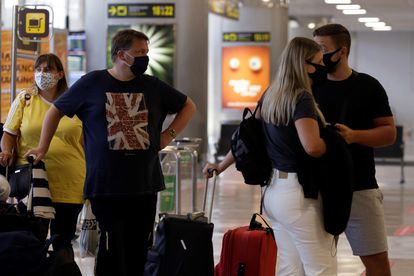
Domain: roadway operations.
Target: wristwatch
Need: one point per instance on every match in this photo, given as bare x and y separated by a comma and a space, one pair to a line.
172, 132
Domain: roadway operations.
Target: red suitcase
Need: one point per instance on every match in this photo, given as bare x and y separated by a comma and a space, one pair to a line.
248, 251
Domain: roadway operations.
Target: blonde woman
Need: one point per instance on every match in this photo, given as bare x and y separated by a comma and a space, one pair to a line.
290, 119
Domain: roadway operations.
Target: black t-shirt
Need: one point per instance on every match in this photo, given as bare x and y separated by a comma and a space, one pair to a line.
282, 142
355, 102
122, 121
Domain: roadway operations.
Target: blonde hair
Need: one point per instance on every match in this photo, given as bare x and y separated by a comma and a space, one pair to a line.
290, 83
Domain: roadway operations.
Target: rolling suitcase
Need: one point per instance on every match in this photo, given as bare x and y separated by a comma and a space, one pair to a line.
248, 251
183, 244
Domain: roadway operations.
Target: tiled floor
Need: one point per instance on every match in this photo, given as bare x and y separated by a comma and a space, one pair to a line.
235, 202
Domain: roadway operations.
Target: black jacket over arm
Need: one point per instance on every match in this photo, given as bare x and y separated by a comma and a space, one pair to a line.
332, 176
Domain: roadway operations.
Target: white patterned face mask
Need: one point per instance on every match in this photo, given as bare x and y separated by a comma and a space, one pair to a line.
45, 80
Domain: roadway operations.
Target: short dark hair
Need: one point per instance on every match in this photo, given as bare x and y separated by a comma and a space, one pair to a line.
339, 34
53, 62
123, 41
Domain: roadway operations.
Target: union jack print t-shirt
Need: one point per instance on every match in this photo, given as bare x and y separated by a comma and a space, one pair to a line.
127, 118
122, 122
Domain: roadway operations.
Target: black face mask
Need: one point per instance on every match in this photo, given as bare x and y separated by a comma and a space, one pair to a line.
139, 66
319, 76
327, 60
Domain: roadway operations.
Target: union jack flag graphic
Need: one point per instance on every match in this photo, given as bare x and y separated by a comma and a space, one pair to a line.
127, 117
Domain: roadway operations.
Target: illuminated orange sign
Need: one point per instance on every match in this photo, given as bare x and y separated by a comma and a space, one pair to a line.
245, 75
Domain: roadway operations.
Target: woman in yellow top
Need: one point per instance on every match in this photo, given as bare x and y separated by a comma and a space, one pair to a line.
65, 161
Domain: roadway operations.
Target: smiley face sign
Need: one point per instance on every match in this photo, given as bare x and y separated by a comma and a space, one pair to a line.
245, 75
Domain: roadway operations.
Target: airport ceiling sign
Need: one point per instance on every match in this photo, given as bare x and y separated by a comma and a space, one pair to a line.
33, 23
149, 10
246, 37
225, 8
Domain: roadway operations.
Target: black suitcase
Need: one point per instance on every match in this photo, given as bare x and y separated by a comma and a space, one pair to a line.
183, 244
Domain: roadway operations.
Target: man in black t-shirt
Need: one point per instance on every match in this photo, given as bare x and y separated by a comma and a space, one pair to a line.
122, 112
357, 105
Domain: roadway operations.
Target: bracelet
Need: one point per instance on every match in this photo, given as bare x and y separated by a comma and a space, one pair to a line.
172, 132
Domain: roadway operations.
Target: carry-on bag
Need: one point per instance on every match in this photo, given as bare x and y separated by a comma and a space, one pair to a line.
34, 207
89, 235
248, 251
183, 244
22, 254
31, 181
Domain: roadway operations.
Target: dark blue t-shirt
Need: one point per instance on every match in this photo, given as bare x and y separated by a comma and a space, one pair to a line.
282, 142
355, 102
122, 122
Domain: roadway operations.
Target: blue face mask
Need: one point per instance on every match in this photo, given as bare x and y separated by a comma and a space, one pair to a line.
139, 66
327, 60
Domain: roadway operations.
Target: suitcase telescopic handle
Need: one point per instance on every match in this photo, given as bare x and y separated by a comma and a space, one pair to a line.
31, 158
214, 173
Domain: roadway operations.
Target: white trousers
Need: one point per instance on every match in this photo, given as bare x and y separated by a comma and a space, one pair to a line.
304, 247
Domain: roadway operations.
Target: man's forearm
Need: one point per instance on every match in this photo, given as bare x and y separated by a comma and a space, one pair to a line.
183, 116
377, 137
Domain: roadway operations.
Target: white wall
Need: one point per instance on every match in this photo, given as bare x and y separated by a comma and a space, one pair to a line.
96, 23
7, 13
389, 57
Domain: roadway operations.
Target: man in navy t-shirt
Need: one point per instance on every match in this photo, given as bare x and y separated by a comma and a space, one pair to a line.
122, 111
357, 105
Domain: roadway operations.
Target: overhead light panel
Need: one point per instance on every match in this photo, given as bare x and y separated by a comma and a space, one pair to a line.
375, 24
293, 23
368, 19
311, 25
338, 1
348, 7
361, 11
385, 28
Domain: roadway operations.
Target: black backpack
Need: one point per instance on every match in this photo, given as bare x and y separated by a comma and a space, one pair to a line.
22, 253
249, 150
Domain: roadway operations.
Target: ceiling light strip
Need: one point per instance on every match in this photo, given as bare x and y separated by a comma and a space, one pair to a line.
385, 28
338, 1
351, 12
375, 24
348, 7
368, 19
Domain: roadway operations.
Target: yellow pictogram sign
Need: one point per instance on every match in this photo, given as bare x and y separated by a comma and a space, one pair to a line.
117, 11
33, 23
